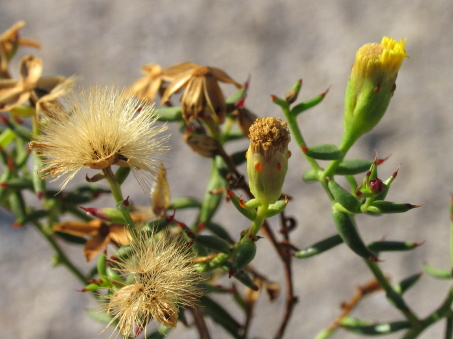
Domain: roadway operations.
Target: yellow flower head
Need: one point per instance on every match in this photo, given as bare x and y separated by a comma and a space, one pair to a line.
99, 129
383, 59
164, 280
371, 86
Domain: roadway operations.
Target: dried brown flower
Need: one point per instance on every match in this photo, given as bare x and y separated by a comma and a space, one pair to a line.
147, 87
202, 92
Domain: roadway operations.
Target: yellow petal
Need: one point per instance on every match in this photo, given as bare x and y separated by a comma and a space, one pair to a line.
214, 97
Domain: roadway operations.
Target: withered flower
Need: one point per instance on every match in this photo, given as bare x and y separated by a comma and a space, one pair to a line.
164, 280
202, 92
101, 128
9, 43
16, 92
147, 87
101, 233
161, 193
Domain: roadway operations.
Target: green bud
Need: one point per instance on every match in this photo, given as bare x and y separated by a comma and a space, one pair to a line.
267, 159
371, 86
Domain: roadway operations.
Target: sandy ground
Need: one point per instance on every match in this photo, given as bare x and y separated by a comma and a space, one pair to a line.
276, 42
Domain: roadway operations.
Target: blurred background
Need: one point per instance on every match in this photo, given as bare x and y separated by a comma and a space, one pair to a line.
276, 43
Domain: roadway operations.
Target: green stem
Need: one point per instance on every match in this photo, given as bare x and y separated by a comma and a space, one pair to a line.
118, 196
297, 134
444, 310
345, 145
396, 299
63, 259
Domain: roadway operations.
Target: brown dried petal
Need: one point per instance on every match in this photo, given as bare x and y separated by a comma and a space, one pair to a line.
244, 119
165, 312
94, 245
223, 76
178, 82
193, 100
119, 234
47, 84
214, 97
145, 88
161, 194
273, 290
78, 228
30, 69
170, 73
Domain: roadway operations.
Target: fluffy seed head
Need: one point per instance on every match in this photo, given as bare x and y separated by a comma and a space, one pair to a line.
164, 280
100, 128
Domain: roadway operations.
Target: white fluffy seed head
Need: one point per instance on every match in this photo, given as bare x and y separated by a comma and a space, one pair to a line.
100, 128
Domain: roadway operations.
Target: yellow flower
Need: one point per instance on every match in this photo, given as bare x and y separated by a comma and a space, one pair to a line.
202, 92
267, 158
380, 60
371, 86
164, 280
101, 128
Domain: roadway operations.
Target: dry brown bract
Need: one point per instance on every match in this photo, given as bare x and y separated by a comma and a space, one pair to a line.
101, 128
164, 279
202, 92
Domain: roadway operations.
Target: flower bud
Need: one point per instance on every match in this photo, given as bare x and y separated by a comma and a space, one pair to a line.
267, 158
371, 85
